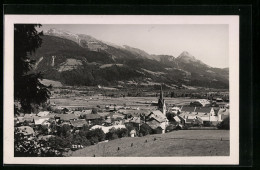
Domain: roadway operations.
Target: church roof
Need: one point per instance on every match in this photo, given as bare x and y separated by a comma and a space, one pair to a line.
158, 116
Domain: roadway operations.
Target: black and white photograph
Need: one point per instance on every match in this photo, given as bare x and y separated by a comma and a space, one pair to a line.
121, 88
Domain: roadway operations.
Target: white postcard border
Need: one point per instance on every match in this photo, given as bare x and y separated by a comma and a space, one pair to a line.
231, 20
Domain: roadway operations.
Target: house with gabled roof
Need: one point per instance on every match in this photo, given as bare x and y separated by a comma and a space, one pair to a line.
159, 117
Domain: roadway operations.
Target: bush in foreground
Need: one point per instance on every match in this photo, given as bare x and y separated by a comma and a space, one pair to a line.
224, 124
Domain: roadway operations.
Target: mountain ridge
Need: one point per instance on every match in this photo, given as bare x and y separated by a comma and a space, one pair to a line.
82, 56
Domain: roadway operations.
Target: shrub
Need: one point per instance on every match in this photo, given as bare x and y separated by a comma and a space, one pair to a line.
170, 128
158, 130
43, 130
224, 124
207, 124
145, 129
170, 116
64, 130
94, 111
96, 135
122, 132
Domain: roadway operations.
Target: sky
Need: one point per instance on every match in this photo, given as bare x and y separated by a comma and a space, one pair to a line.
208, 43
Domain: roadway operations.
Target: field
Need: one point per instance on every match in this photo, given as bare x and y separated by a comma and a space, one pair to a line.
93, 101
176, 143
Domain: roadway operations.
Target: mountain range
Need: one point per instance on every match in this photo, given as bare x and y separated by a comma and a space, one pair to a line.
78, 59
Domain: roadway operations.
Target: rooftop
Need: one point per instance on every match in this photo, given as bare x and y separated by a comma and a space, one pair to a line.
78, 123
92, 116
187, 109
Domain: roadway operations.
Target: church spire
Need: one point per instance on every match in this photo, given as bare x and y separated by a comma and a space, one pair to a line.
161, 93
161, 103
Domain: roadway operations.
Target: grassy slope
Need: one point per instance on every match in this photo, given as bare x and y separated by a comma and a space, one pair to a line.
176, 143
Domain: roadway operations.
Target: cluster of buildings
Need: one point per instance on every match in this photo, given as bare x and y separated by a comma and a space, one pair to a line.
201, 115
114, 117
118, 117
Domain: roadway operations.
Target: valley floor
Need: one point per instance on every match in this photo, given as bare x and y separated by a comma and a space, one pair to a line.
176, 143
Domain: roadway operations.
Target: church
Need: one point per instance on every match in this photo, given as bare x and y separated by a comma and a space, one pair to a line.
161, 103
157, 118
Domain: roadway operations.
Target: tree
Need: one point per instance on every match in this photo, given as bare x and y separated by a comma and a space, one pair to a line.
172, 94
145, 129
94, 111
64, 130
224, 124
28, 89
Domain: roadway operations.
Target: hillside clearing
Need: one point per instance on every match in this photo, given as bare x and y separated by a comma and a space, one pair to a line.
176, 143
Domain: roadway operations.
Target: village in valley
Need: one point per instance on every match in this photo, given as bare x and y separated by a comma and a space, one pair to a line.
78, 95
67, 124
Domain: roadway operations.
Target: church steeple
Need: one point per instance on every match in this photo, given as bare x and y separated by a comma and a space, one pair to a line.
161, 93
161, 103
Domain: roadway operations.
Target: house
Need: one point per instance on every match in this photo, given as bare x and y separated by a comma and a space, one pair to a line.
38, 121
135, 120
187, 110
133, 133
44, 113
159, 117
203, 102
29, 117
206, 111
92, 117
65, 117
25, 132
153, 124
78, 124
116, 115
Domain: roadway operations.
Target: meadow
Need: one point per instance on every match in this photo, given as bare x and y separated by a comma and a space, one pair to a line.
93, 101
176, 143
